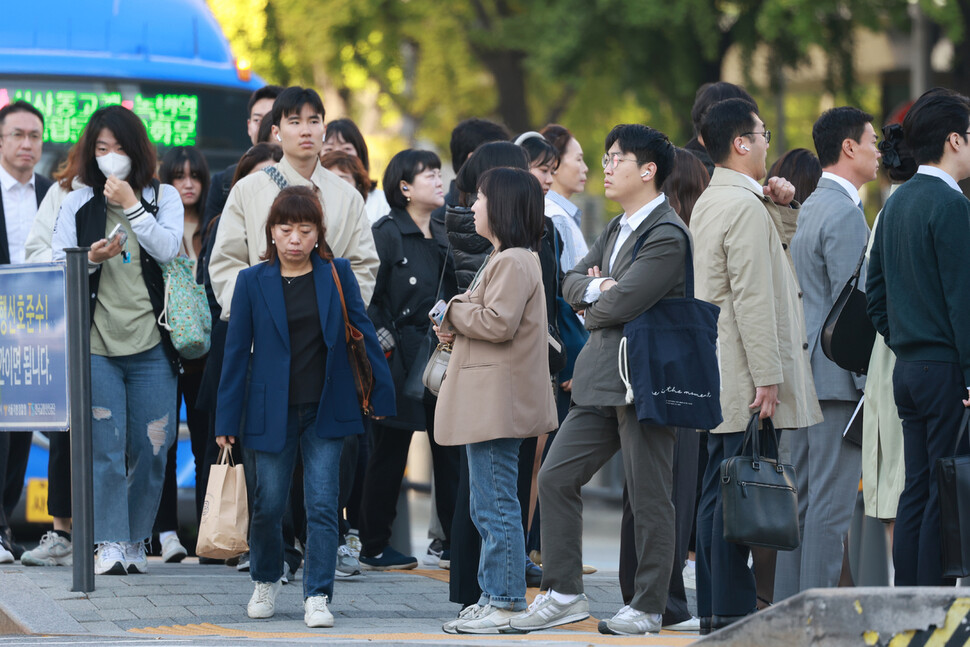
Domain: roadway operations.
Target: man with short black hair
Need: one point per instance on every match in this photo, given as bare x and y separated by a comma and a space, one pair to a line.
919, 302
741, 233
260, 105
21, 192
465, 138
828, 245
707, 95
613, 287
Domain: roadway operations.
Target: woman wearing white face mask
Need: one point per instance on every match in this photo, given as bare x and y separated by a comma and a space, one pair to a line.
133, 363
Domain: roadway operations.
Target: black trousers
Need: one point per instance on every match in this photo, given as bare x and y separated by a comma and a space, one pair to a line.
14, 451
725, 583
59, 475
385, 473
929, 400
198, 422
685, 486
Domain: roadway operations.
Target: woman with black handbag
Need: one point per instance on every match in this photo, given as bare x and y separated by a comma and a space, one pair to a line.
289, 332
415, 272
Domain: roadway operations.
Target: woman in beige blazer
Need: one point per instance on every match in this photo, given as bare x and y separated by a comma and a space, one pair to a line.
497, 389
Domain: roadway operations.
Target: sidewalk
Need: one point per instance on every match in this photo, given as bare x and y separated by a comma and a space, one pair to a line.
207, 605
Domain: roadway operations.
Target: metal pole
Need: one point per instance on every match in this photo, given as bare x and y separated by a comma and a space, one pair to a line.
82, 461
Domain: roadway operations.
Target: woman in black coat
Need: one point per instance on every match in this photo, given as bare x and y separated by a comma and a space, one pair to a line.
415, 272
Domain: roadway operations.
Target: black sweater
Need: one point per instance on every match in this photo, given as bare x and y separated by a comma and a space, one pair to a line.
918, 270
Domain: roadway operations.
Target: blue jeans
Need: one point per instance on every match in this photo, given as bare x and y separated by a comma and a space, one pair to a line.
493, 468
134, 424
274, 475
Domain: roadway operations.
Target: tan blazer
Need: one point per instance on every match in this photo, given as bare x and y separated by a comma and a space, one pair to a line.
742, 265
497, 384
241, 238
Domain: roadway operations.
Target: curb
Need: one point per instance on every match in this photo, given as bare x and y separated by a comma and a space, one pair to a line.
25, 609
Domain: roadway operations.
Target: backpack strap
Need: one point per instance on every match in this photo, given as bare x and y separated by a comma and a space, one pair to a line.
276, 176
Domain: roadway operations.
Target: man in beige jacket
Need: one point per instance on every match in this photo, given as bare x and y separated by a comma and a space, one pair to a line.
241, 238
741, 264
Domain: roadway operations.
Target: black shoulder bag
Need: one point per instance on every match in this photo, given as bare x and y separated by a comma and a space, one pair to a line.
848, 333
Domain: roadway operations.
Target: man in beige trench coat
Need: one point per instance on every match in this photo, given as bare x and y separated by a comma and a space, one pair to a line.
741, 264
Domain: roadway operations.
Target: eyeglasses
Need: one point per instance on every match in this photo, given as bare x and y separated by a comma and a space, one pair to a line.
18, 136
612, 159
766, 133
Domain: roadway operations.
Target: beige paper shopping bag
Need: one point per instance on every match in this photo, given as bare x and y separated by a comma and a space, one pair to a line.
225, 513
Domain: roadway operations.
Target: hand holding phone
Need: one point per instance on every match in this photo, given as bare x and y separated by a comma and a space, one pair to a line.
437, 313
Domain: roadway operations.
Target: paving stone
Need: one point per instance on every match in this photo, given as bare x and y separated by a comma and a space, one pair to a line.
102, 628
176, 600
163, 612
206, 612
116, 614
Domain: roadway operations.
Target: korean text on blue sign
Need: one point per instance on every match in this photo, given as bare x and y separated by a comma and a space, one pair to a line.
33, 348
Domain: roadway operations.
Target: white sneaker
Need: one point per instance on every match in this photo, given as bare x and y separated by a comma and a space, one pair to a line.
109, 559
691, 624
316, 613
433, 556
488, 620
466, 613
6, 557
53, 550
353, 542
136, 559
173, 551
263, 602
630, 622
545, 612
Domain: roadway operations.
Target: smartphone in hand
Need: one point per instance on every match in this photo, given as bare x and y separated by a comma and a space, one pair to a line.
437, 313
115, 232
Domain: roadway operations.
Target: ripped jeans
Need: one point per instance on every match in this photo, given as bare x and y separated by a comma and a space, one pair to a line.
134, 424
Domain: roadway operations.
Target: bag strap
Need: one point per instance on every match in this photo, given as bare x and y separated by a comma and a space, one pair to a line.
225, 456
963, 427
624, 365
858, 268
276, 176
343, 304
688, 257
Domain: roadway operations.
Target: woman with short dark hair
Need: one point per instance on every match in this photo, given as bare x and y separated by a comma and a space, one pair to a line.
348, 168
343, 135
497, 389
133, 362
286, 366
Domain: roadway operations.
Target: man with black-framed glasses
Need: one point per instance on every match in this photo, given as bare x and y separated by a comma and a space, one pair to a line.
21, 192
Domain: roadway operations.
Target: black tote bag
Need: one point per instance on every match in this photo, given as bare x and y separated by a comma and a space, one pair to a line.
953, 480
848, 333
758, 495
670, 353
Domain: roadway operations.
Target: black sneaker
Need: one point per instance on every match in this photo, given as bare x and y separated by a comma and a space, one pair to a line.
388, 560
533, 574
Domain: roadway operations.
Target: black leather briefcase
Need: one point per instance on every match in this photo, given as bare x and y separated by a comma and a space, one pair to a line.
953, 480
848, 333
758, 494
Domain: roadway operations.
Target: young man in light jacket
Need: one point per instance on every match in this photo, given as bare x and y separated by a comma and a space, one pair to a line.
240, 242
741, 264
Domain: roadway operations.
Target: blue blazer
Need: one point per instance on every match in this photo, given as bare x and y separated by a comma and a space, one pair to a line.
258, 322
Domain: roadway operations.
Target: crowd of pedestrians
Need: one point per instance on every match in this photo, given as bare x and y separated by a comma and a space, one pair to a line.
296, 243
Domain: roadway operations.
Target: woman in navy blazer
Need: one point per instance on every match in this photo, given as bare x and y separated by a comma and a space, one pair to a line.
287, 385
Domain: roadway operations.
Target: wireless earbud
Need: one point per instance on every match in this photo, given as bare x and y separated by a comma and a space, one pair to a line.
745, 148
278, 138
645, 174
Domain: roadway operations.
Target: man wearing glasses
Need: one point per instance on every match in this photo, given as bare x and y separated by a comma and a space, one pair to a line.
614, 287
741, 234
21, 192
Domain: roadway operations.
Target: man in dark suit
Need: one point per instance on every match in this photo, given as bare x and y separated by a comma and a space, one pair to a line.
614, 287
21, 191
827, 246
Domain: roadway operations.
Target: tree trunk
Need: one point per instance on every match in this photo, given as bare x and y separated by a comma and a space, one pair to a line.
507, 70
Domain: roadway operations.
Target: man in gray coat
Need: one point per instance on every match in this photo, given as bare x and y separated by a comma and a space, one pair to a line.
830, 239
613, 288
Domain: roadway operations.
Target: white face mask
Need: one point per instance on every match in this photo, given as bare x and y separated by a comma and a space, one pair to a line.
115, 164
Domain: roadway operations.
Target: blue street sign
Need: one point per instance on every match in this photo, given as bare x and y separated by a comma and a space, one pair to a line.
33, 348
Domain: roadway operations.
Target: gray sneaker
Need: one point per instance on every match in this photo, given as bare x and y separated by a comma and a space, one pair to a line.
545, 613
488, 620
347, 564
630, 622
53, 550
466, 613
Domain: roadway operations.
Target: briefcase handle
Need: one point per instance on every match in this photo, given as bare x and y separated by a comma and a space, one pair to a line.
753, 436
963, 427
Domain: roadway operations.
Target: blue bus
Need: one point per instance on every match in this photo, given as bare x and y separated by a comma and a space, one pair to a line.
169, 62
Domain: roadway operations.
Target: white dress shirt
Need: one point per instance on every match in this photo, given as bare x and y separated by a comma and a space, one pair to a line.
19, 210
628, 224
